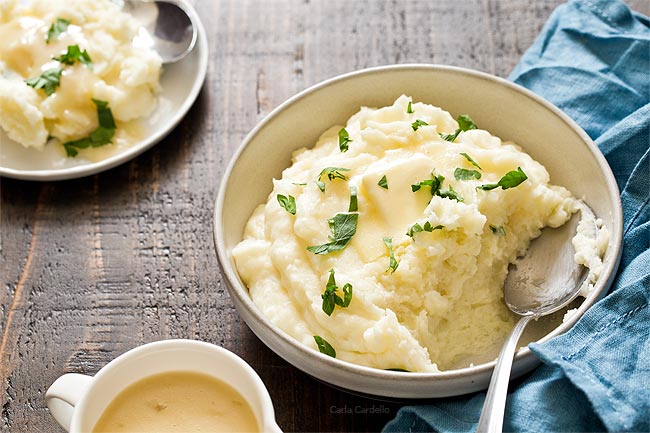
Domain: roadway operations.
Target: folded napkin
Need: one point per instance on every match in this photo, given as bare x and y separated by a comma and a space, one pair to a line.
592, 60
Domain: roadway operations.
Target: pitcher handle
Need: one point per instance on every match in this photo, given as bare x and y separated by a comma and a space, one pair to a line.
64, 394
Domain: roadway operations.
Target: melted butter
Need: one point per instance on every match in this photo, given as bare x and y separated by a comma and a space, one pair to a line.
390, 212
125, 134
177, 402
23, 48
72, 101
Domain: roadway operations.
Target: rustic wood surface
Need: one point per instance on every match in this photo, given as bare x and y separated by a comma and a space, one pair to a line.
93, 267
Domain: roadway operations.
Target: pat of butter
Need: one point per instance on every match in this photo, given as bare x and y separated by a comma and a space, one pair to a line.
390, 212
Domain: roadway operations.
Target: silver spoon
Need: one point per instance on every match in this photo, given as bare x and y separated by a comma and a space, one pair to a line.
544, 281
170, 24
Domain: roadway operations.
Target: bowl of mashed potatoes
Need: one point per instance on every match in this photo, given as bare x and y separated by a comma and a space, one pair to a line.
82, 88
366, 226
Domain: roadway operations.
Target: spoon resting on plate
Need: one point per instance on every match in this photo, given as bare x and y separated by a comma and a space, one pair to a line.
543, 281
169, 23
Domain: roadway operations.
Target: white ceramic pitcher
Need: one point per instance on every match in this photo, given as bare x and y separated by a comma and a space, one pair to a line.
77, 401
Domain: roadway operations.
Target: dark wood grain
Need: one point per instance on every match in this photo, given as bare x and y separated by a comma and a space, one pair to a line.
92, 267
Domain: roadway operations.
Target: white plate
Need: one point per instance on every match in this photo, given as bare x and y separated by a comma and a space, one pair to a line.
181, 83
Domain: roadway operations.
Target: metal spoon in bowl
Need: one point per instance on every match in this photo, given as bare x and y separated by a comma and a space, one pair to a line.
543, 281
169, 23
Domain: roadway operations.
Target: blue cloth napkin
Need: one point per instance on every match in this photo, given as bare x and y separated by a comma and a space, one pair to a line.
592, 60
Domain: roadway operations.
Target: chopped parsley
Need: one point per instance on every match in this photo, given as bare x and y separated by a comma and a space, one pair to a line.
51, 79
471, 160
450, 194
464, 174
383, 182
393, 264
434, 183
343, 227
100, 136
324, 346
331, 173
48, 80
498, 230
510, 180
331, 298
416, 228
465, 123
409, 109
288, 203
56, 29
74, 54
299, 183
354, 206
416, 125
344, 140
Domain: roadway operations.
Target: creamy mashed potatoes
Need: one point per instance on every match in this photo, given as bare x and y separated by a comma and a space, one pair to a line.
122, 70
439, 303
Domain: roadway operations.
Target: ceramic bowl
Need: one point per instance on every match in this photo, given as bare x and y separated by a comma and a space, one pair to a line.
503, 108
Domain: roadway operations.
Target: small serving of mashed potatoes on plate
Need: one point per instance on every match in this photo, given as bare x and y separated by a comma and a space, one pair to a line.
75, 74
387, 244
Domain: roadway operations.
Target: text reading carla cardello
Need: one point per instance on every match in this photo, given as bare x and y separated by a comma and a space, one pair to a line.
359, 409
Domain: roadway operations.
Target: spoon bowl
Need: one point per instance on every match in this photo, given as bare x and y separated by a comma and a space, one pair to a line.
546, 278
170, 23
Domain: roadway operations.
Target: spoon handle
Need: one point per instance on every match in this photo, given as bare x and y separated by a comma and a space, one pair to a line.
491, 420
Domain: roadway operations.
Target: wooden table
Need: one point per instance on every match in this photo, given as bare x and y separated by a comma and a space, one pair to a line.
92, 267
